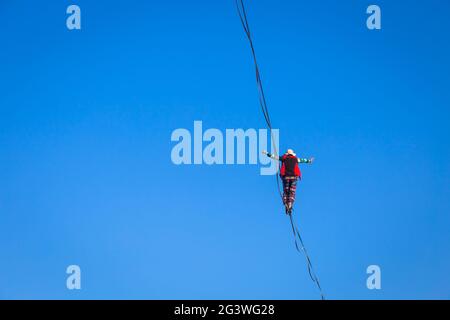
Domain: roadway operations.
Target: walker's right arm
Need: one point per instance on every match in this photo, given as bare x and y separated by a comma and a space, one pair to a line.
272, 156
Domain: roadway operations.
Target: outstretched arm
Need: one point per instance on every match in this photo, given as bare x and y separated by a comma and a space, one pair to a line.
304, 160
272, 156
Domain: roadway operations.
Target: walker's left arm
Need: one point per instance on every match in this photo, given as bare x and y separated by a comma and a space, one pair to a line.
304, 160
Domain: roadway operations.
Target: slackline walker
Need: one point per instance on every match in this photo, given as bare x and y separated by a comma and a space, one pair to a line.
289, 170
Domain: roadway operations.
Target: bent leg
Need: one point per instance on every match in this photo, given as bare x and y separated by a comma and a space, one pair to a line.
292, 191
286, 187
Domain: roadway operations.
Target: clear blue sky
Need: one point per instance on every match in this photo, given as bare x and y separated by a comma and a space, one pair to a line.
86, 176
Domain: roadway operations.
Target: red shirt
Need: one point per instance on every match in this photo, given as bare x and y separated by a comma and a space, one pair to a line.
289, 167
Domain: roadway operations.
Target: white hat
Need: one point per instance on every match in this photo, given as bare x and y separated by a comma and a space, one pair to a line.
291, 152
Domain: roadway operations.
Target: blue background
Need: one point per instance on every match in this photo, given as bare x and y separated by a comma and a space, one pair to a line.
86, 176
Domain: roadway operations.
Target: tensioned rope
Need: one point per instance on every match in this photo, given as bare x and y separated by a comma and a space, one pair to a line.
262, 98
263, 104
